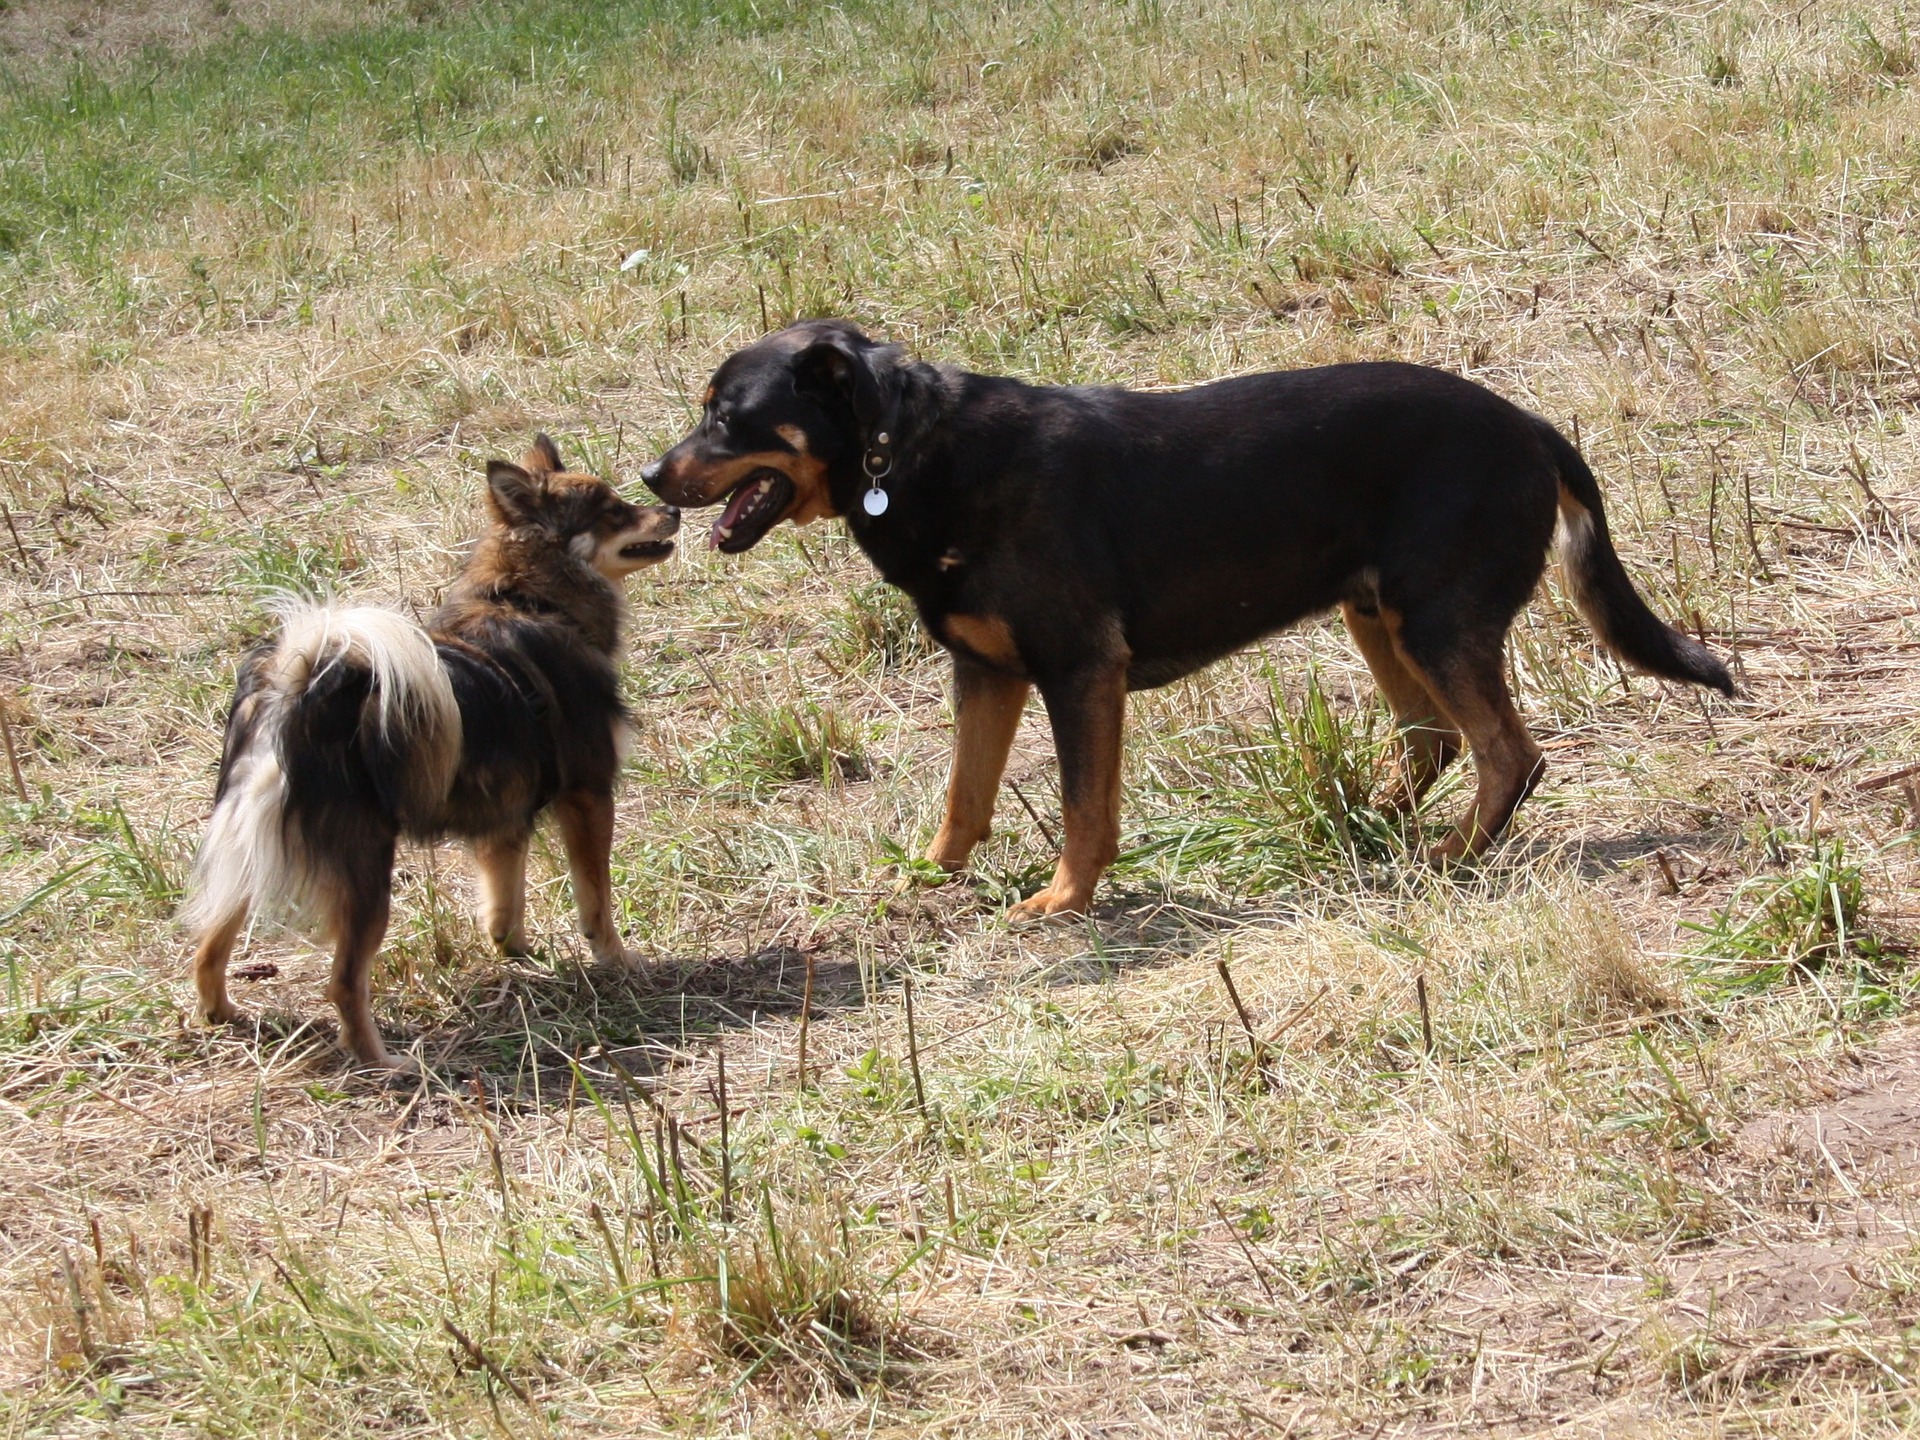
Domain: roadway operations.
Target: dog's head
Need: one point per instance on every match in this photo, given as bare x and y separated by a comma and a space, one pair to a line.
580, 512
782, 430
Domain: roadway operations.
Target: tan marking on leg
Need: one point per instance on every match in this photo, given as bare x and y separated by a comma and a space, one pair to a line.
1472, 688
586, 830
987, 708
1088, 716
987, 638
358, 932
1428, 741
503, 891
210, 970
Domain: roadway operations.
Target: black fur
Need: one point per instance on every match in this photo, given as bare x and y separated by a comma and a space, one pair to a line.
354, 728
1056, 534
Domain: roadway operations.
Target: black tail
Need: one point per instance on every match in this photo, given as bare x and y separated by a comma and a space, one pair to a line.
1604, 593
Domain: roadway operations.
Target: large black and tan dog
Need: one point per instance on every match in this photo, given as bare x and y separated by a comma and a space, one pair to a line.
356, 726
1092, 541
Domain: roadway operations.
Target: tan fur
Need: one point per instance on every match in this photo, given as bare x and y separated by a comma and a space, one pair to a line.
1090, 795
987, 709
586, 831
705, 486
556, 539
1428, 740
210, 970
502, 863
1507, 763
544, 459
987, 637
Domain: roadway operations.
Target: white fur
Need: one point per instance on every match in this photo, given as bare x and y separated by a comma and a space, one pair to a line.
624, 736
1576, 540
414, 691
247, 857
243, 859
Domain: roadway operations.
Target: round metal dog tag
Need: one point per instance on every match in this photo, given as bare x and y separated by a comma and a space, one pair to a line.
876, 501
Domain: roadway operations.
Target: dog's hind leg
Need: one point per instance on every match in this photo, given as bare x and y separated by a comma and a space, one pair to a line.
502, 861
360, 912
1466, 675
987, 706
586, 829
210, 969
1428, 740
1088, 712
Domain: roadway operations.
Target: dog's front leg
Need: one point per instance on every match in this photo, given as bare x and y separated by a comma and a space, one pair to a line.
987, 706
586, 829
1087, 710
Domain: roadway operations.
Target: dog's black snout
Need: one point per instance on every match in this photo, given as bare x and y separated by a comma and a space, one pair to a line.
673, 512
650, 471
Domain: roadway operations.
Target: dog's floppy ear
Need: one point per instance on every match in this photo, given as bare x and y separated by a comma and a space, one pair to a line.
544, 457
837, 372
514, 494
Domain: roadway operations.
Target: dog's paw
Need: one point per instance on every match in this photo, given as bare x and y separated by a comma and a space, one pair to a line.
950, 849
1048, 904
387, 1067
225, 1013
1452, 849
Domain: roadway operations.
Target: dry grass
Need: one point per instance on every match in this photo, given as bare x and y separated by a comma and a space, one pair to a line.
272, 298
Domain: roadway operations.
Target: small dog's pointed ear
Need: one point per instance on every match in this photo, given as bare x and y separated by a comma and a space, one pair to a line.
837, 373
544, 457
513, 494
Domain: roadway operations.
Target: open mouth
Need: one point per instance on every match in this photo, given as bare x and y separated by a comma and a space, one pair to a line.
647, 550
753, 507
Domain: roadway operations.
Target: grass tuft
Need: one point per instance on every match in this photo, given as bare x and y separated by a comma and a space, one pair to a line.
1811, 919
785, 743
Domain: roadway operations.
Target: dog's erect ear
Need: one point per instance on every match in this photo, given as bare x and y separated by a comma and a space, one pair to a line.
838, 372
513, 494
544, 457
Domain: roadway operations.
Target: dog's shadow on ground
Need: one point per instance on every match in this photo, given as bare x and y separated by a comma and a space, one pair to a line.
525, 1026
1145, 927
1594, 858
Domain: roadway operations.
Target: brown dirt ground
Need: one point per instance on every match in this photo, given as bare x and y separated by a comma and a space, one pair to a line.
1830, 1254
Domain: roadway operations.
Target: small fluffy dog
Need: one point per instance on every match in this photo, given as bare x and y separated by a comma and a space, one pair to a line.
356, 726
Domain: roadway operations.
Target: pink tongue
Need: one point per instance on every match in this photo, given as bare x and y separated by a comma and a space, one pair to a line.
736, 507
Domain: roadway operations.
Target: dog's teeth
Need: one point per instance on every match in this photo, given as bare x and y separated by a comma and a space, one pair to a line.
725, 532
